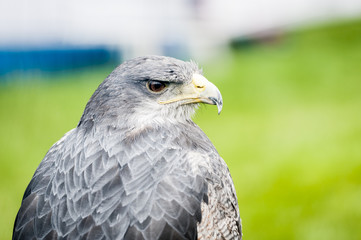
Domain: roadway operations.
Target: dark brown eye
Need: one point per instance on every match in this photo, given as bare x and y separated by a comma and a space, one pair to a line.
156, 86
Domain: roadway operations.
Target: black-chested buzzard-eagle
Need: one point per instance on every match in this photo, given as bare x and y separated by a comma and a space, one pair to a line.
136, 166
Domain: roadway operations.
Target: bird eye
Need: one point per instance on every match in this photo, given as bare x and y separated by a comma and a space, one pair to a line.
156, 86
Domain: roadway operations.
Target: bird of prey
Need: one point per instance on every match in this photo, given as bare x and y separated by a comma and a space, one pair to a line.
136, 166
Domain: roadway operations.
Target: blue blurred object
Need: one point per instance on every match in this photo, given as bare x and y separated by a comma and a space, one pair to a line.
54, 59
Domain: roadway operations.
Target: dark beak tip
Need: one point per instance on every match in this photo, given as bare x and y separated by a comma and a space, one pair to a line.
219, 106
217, 102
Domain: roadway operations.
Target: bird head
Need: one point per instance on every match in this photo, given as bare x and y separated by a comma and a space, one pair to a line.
151, 90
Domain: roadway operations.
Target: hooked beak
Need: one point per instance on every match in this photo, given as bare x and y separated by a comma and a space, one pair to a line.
200, 90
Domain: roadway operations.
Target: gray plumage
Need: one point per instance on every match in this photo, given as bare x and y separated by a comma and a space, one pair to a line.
135, 167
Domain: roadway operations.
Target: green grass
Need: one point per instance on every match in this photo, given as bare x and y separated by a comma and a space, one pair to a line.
290, 131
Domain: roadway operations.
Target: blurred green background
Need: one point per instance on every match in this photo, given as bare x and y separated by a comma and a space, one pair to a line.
290, 131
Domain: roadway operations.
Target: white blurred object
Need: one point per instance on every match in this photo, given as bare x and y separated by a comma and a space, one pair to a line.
142, 27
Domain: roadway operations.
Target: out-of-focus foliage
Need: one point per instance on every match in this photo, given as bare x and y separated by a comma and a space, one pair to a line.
290, 131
